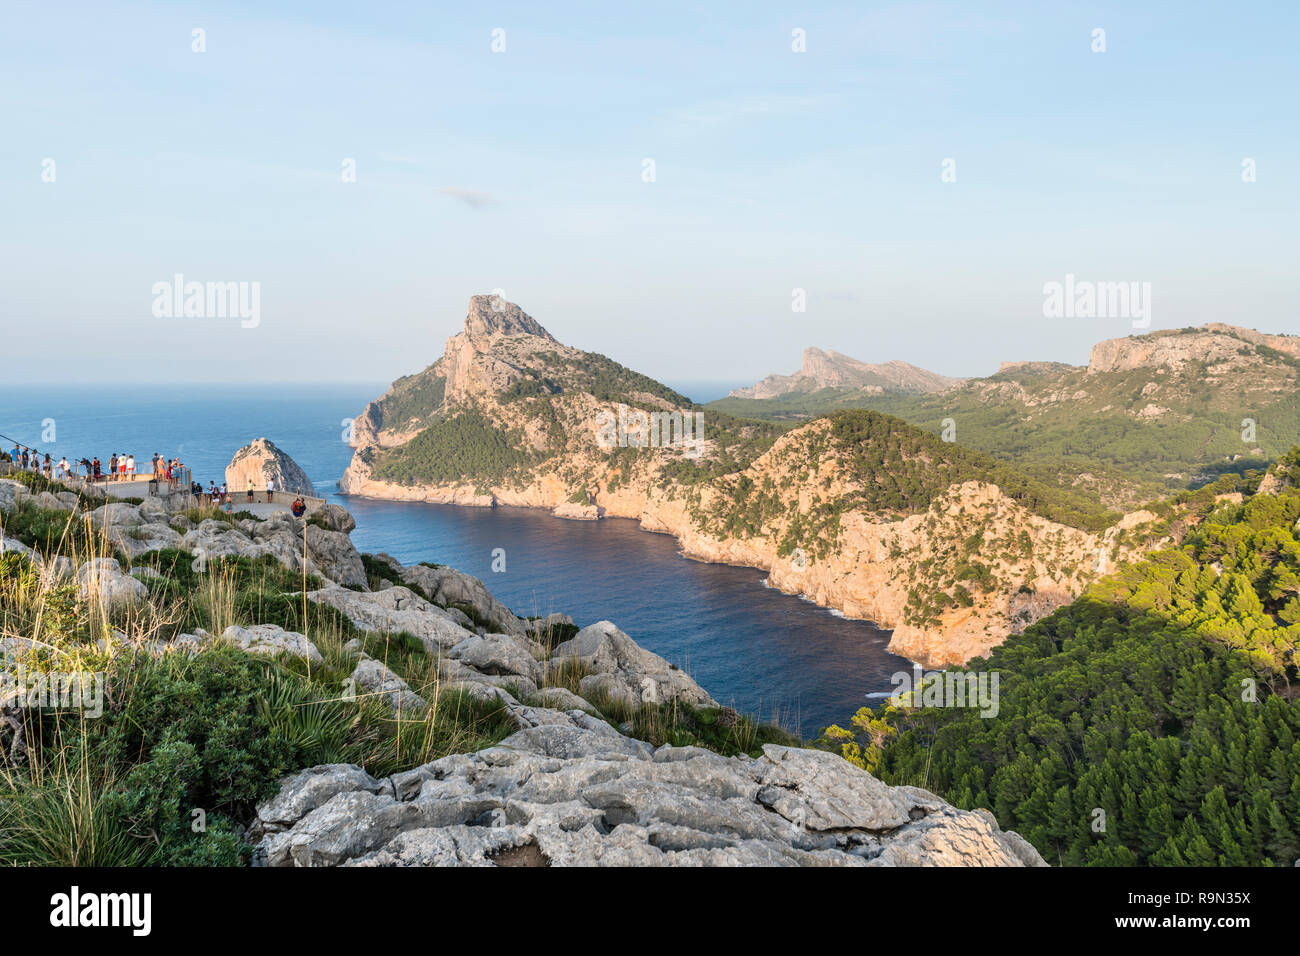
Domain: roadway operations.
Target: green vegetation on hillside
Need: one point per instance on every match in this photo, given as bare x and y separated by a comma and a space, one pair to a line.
467, 446
609, 381
413, 398
1154, 721
889, 468
898, 467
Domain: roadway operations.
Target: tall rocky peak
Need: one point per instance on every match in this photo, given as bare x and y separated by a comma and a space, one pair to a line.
499, 342
1214, 344
491, 315
825, 368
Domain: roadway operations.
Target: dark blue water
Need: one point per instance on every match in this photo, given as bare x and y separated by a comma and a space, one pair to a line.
762, 651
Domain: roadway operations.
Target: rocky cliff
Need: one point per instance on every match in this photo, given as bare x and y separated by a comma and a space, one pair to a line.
262, 461
830, 369
951, 565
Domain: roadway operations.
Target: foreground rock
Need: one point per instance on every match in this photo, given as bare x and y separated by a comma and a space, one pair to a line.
262, 461
449, 586
291, 541
375, 677
102, 580
565, 796
624, 670
271, 639
11, 493
395, 610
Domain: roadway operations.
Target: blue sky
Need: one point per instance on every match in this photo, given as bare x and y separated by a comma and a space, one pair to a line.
522, 170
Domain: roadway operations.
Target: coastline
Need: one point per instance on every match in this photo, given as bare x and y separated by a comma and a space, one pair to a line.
690, 546
875, 571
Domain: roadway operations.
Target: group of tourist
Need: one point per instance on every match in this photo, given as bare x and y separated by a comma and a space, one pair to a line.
121, 467
29, 459
216, 495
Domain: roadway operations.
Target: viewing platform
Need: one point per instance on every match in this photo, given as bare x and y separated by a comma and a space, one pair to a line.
176, 495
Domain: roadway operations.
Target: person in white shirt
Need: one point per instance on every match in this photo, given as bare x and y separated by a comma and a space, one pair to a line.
130, 467
63, 467
270, 489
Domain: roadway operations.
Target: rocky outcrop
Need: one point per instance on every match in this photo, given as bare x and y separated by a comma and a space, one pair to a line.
396, 610
271, 639
262, 461
567, 795
136, 530
11, 492
576, 512
829, 369
295, 543
1215, 344
101, 580
375, 677
499, 340
448, 586
620, 668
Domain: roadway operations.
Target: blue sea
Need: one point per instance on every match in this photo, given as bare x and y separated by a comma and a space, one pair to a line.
769, 654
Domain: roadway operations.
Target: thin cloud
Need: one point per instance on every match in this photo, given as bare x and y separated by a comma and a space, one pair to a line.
717, 112
473, 198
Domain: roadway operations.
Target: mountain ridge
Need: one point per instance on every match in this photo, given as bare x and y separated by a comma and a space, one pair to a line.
830, 369
1149, 415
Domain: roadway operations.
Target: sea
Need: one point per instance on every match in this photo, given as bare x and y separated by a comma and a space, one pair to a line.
772, 655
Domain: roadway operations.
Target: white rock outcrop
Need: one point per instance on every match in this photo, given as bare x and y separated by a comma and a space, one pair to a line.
565, 795
271, 639
261, 460
102, 580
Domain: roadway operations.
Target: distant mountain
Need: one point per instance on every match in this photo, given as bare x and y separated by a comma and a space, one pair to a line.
828, 369
1147, 415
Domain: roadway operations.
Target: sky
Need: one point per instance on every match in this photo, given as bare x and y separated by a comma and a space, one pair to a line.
502, 146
